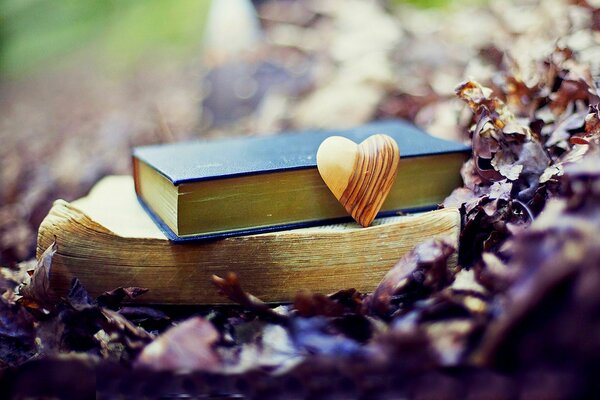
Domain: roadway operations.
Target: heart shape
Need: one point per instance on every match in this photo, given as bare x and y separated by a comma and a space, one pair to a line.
359, 176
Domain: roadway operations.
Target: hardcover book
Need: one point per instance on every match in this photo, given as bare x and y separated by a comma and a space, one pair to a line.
230, 187
107, 240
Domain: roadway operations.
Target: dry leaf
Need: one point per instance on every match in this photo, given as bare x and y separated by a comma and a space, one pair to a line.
185, 347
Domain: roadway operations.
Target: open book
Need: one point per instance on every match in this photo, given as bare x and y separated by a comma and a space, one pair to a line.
107, 240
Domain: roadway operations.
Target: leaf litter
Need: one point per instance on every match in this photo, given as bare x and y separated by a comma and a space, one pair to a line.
515, 317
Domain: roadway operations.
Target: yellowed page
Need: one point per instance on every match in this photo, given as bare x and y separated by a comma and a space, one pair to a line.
113, 204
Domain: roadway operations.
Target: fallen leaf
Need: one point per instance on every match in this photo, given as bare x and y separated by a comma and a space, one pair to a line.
113, 299
231, 288
185, 347
309, 304
419, 273
39, 290
79, 297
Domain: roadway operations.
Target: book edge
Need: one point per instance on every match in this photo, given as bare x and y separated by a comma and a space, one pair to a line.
173, 237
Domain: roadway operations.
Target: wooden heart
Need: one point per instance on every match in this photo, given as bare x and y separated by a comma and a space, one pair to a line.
359, 176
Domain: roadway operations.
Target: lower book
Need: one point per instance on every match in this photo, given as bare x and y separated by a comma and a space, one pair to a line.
106, 240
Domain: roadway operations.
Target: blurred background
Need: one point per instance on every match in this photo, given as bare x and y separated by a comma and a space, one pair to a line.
83, 81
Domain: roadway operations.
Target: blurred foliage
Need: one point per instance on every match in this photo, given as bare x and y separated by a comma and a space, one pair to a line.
39, 33
424, 3
36, 32
436, 3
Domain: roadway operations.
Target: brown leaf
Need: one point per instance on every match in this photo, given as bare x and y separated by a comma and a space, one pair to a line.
231, 288
569, 92
592, 121
185, 347
557, 252
39, 290
578, 140
134, 337
116, 322
422, 271
112, 299
591, 134
78, 296
502, 146
309, 304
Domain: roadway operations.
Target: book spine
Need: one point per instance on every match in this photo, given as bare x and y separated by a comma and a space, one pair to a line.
136, 174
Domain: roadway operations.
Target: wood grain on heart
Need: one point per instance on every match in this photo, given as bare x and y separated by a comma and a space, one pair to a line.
359, 176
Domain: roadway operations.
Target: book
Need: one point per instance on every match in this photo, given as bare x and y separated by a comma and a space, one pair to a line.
207, 189
107, 240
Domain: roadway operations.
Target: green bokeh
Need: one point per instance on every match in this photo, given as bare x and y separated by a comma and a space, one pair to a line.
440, 3
34, 33
425, 3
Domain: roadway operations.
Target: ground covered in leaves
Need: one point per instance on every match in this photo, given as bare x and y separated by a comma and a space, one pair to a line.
517, 318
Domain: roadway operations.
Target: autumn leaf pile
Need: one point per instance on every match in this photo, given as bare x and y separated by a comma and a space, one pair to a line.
516, 318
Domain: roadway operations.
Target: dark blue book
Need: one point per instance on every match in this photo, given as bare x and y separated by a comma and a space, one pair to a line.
247, 185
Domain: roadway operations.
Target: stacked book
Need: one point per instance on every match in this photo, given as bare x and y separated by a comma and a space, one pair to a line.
254, 206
